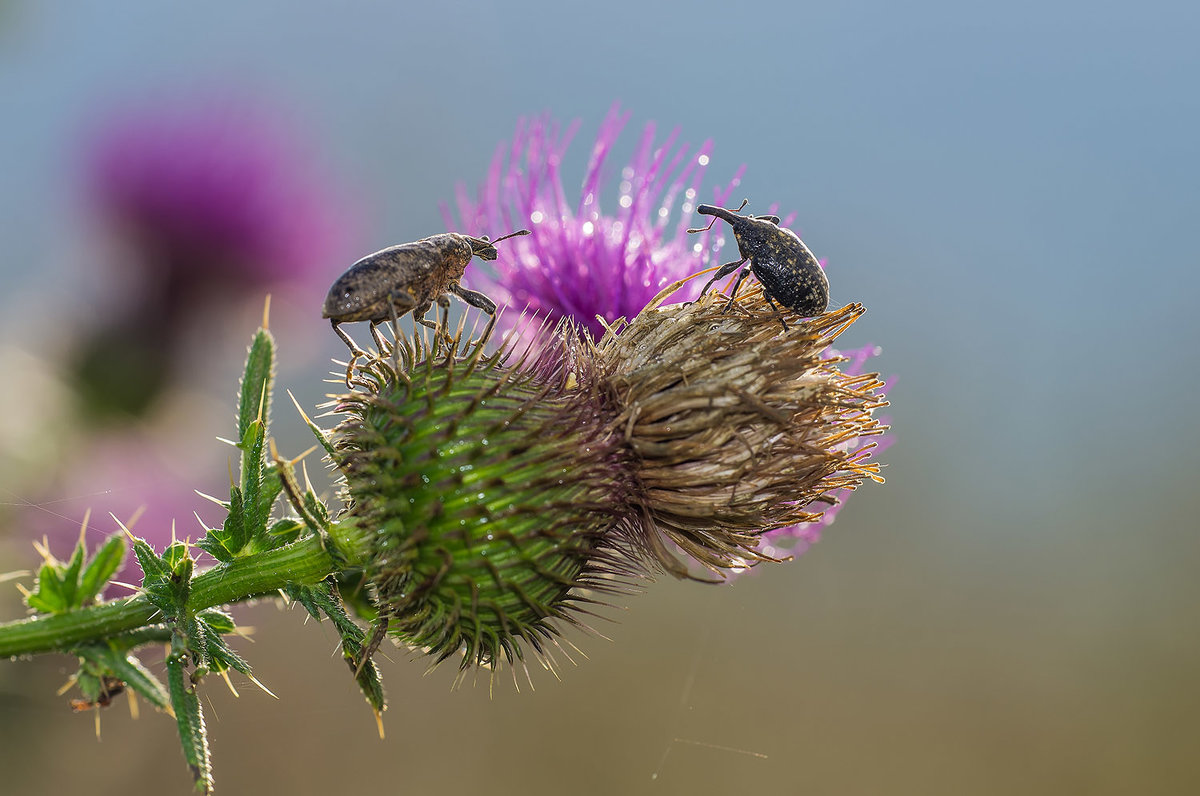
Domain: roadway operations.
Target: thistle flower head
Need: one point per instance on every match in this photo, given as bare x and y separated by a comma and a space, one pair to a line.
501, 494
582, 259
493, 490
738, 431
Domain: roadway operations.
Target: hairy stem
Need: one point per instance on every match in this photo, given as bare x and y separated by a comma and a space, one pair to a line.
303, 562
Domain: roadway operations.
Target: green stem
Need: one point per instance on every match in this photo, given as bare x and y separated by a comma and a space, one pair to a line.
303, 562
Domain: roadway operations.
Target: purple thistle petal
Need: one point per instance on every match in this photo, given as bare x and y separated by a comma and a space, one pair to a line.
582, 261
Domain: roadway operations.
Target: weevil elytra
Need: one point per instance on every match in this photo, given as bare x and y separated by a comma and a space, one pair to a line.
788, 271
409, 277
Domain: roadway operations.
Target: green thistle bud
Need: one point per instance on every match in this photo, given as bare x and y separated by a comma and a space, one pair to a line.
492, 490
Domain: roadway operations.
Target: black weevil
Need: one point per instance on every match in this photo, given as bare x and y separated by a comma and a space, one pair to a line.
409, 277
788, 271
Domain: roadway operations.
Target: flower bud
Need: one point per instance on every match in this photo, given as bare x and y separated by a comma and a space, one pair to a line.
492, 490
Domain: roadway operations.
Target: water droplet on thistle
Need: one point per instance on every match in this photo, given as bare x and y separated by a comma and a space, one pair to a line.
490, 537
536, 217
625, 201
424, 478
480, 495
588, 228
702, 160
484, 440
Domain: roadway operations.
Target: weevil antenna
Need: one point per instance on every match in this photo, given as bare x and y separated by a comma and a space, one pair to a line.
509, 235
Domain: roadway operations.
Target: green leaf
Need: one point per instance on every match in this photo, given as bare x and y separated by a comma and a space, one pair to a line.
219, 656
49, 596
284, 532
254, 397
189, 718
154, 571
69, 576
218, 621
312, 512
105, 660
225, 542
103, 566
254, 516
323, 598
166, 580
272, 486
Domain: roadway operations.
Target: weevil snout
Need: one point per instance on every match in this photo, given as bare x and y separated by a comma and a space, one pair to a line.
485, 249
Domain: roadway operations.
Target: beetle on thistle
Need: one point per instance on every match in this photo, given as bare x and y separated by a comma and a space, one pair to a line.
409, 277
788, 271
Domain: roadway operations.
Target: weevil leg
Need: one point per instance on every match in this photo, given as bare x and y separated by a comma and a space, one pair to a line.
381, 343
439, 330
443, 301
474, 298
479, 301
745, 272
771, 301
722, 272
355, 351
395, 341
421, 312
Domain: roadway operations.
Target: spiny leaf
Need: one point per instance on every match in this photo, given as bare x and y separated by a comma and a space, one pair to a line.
49, 596
189, 717
285, 531
218, 656
70, 574
323, 599
254, 514
225, 542
255, 392
102, 567
122, 666
166, 580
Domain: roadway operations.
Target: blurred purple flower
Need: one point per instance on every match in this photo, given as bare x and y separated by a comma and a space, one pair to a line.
213, 203
580, 262
215, 191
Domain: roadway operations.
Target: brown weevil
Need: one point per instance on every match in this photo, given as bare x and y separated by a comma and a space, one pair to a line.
409, 277
788, 271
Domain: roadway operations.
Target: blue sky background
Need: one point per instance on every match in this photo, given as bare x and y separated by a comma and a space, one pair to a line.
1011, 189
